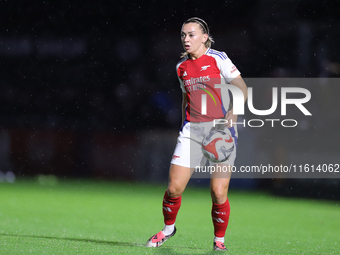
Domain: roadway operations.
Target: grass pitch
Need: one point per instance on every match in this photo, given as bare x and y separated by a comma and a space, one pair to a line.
92, 217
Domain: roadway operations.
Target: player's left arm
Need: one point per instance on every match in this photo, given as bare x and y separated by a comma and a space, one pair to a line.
238, 82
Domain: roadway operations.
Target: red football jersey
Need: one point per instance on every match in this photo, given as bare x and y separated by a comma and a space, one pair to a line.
198, 78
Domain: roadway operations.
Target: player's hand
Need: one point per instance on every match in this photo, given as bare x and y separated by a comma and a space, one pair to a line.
231, 118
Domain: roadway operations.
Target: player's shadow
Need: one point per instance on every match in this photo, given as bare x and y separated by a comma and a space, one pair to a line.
114, 243
171, 250
162, 250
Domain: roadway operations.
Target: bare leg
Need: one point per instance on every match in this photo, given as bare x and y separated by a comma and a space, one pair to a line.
219, 185
179, 177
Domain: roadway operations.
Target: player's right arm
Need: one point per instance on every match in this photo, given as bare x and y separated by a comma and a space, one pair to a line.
184, 93
184, 105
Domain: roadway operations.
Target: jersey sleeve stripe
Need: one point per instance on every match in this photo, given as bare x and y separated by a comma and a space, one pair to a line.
220, 54
181, 61
179, 79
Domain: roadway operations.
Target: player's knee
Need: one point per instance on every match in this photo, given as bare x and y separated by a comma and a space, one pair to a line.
219, 194
174, 190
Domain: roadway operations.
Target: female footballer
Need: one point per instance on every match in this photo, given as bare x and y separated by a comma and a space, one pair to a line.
199, 70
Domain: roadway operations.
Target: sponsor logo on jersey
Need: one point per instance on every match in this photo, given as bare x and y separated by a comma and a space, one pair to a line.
204, 67
185, 74
193, 80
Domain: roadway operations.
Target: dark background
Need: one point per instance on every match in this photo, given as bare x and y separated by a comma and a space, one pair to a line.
89, 89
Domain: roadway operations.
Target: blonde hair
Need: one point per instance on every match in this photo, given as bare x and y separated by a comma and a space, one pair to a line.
205, 30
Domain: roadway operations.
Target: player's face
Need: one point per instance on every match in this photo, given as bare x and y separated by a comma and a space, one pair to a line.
193, 39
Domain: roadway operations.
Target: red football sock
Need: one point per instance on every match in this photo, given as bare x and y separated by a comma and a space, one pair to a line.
170, 208
220, 217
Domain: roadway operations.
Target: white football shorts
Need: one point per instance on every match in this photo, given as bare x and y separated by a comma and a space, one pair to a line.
188, 151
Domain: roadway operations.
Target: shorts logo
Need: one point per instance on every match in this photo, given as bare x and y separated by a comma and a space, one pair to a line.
175, 156
204, 67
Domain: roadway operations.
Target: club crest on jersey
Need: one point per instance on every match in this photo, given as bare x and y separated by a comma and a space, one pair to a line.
185, 74
204, 67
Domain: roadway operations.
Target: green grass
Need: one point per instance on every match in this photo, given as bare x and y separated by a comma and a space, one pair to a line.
89, 217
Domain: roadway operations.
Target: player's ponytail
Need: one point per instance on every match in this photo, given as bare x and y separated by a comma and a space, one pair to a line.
205, 29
